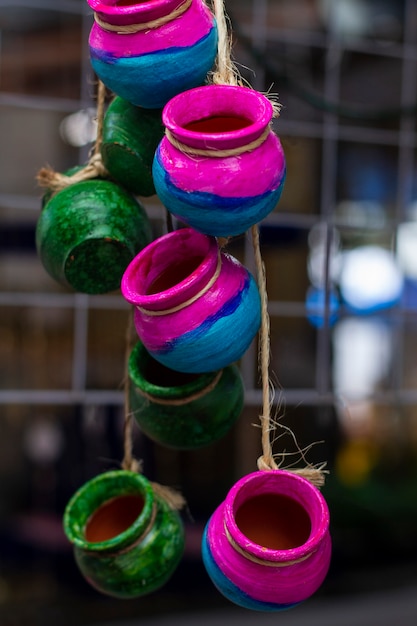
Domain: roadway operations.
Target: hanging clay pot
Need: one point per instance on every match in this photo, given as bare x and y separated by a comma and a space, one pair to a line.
89, 232
147, 52
183, 411
197, 307
130, 137
221, 168
267, 546
127, 540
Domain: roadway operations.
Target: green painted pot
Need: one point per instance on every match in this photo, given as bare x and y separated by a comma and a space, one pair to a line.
127, 540
88, 233
182, 411
130, 138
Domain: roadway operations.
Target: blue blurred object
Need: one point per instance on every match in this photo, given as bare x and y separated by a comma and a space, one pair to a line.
316, 304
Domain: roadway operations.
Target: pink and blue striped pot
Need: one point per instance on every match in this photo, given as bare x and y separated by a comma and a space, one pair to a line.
267, 547
197, 307
166, 54
220, 168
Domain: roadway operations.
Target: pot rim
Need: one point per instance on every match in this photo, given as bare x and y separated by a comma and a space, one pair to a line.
74, 527
139, 12
139, 355
301, 491
217, 100
137, 276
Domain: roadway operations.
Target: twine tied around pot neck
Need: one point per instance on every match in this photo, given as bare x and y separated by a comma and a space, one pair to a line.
94, 168
130, 29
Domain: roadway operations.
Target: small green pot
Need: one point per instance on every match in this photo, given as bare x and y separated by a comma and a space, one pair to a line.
130, 138
127, 540
183, 411
88, 233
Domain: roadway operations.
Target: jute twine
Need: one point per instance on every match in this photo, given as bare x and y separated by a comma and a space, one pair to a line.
226, 74
173, 498
214, 152
263, 561
130, 29
267, 461
183, 401
55, 181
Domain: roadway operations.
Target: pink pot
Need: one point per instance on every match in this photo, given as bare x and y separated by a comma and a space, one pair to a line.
267, 546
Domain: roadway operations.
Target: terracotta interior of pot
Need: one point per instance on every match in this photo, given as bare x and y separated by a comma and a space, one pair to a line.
160, 376
274, 521
218, 124
113, 517
174, 274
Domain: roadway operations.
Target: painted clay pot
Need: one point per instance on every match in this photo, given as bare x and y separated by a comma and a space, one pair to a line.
130, 137
197, 307
88, 233
182, 411
221, 168
127, 540
147, 52
267, 546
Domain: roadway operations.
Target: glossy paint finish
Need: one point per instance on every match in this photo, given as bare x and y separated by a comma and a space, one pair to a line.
88, 233
220, 196
182, 411
141, 558
214, 324
149, 67
258, 577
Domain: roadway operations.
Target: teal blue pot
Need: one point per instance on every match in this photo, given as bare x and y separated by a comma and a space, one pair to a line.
179, 410
88, 233
130, 138
127, 539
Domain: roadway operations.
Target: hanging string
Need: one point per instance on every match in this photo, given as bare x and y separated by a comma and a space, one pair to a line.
174, 499
267, 462
94, 168
226, 74
128, 462
267, 459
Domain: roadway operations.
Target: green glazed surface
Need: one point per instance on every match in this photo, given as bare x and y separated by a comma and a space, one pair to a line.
130, 138
128, 565
189, 422
89, 232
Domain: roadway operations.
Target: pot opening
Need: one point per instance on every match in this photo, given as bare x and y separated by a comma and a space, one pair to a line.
161, 376
218, 124
113, 517
274, 521
128, 3
174, 274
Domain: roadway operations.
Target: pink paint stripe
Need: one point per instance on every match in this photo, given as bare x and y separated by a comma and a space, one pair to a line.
258, 173
196, 23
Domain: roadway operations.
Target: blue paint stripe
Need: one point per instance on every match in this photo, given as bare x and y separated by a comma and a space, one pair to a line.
221, 339
211, 213
150, 80
230, 590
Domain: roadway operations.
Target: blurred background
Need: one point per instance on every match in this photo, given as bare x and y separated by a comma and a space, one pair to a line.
341, 259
